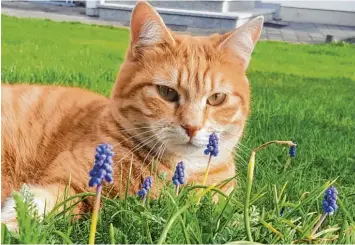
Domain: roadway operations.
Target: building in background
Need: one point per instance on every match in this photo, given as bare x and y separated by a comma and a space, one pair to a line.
227, 14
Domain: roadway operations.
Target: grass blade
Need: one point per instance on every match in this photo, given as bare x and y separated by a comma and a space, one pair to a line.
271, 228
65, 237
112, 234
177, 214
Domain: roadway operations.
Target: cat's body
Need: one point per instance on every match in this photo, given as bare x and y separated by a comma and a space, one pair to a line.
53, 137
171, 94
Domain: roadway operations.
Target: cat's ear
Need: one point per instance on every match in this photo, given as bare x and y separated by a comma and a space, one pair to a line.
147, 27
241, 42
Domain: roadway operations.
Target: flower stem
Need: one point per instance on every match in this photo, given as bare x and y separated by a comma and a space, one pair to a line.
207, 170
95, 215
177, 190
320, 222
279, 142
206, 174
250, 176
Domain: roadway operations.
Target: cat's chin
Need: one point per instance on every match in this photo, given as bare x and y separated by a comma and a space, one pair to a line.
185, 149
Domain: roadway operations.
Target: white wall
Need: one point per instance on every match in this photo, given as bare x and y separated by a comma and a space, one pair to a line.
348, 6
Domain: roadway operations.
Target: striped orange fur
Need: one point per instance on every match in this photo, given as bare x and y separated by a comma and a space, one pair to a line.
49, 133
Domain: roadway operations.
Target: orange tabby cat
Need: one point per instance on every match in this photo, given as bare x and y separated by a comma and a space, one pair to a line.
172, 92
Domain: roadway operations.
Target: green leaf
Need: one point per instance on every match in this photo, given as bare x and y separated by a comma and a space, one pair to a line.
66, 238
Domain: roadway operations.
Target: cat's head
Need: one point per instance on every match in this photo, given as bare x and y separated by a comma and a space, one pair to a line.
177, 89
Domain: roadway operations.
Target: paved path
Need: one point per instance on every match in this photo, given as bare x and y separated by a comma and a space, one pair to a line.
52, 12
307, 32
292, 32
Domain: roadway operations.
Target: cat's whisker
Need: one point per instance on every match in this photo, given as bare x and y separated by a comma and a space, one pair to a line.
137, 128
158, 140
157, 151
137, 147
161, 154
140, 130
143, 164
134, 136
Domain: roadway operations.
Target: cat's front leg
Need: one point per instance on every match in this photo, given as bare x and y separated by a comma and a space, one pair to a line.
44, 200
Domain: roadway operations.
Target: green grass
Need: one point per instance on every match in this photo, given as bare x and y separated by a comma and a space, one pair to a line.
300, 92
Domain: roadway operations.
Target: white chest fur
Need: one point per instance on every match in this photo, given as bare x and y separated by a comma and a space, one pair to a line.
196, 162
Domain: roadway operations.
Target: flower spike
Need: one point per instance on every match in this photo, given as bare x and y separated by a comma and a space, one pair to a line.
329, 206
102, 169
211, 150
179, 176
330, 200
147, 184
293, 150
212, 147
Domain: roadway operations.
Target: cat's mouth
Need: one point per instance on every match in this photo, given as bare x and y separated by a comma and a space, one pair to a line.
190, 144
185, 148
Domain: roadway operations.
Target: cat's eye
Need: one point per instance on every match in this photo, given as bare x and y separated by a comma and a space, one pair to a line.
216, 99
168, 94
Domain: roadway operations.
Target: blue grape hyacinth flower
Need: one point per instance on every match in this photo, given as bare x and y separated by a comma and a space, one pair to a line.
293, 150
102, 169
329, 206
330, 200
212, 147
179, 175
147, 184
211, 150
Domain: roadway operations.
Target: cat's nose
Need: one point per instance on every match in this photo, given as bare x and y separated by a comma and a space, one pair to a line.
190, 130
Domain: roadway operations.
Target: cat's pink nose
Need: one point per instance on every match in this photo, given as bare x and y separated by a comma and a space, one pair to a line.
190, 130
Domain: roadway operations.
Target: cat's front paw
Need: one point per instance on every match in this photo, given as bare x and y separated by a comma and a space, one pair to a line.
8, 215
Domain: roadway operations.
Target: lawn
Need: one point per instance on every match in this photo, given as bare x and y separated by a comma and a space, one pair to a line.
300, 92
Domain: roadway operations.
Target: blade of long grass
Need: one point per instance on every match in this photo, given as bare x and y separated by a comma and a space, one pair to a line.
276, 200
271, 228
346, 212
171, 222
128, 181
57, 206
5, 236
125, 211
342, 233
190, 188
257, 197
112, 234
177, 214
183, 227
326, 231
187, 239
223, 209
65, 237
242, 242
283, 189
306, 232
